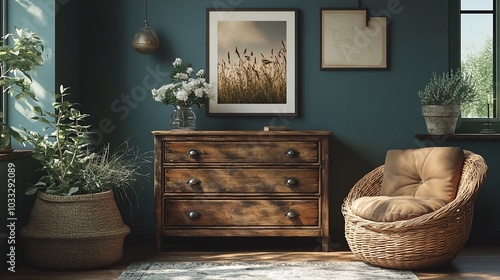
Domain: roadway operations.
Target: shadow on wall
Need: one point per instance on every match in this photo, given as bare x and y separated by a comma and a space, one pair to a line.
346, 168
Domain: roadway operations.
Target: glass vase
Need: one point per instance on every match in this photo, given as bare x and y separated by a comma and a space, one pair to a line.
183, 118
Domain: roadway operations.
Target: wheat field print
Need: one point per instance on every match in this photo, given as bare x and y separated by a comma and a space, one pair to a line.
251, 66
250, 63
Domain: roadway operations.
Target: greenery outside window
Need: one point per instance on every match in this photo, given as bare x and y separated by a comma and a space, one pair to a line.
473, 41
2, 33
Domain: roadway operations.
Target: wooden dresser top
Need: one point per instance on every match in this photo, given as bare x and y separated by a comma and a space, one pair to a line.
241, 132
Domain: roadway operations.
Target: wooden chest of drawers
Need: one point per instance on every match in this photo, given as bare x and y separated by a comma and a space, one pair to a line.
241, 183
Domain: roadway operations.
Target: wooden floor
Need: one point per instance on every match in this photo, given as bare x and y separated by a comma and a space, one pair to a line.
472, 263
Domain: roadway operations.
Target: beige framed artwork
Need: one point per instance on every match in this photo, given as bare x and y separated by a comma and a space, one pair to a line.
252, 61
352, 40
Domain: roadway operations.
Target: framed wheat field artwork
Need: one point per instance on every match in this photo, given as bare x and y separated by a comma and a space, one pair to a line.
352, 40
252, 62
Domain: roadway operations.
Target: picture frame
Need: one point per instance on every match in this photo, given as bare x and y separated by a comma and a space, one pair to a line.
252, 62
350, 39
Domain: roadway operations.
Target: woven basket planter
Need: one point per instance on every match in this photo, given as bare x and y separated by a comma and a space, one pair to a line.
74, 232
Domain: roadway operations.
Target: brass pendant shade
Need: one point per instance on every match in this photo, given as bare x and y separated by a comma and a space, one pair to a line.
145, 40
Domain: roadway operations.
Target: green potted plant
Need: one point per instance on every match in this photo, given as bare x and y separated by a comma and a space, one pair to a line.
75, 222
441, 100
17, 61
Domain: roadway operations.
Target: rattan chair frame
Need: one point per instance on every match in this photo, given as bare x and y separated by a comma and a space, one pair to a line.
430, 240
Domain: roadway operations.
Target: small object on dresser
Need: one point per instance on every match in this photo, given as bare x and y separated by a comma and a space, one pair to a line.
277, 128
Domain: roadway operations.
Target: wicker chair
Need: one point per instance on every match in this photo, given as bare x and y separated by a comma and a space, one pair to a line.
431, 240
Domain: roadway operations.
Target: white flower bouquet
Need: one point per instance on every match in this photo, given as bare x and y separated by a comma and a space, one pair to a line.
185, 89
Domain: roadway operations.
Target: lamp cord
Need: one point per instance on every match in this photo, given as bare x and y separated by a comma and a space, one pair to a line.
145, 12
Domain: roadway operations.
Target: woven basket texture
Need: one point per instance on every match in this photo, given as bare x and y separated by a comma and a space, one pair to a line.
74, 232
431, 240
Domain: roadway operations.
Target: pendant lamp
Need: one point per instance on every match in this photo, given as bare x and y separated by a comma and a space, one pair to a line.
145, 40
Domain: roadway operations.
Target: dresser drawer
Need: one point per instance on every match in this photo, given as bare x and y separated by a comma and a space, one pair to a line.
185, 213
248, 180
241, 152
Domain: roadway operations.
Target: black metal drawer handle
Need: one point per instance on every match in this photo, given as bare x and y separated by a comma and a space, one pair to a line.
193, 215
291, 214
291, 153
292, 182
193, 181
193, 153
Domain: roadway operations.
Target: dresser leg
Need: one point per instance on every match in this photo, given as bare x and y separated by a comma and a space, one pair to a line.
158, 242
324, 243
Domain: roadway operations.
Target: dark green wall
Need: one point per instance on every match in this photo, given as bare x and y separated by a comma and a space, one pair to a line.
368, 112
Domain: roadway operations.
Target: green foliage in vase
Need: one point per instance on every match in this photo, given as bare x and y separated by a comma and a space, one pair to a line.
449, 88
70, 163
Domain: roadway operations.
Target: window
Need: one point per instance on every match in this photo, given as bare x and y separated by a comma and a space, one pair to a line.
2, 33
477, 54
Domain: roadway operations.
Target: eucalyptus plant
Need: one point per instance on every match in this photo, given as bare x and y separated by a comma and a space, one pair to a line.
17, 62
69, 158
64, 156
449, 88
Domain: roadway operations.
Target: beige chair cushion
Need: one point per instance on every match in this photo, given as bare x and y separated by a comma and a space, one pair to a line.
425, 172
394, 208
416, 182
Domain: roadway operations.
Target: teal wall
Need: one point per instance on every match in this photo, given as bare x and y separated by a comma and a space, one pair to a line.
368, 112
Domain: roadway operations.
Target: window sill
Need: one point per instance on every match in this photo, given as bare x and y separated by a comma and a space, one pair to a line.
460, 136
16, 154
